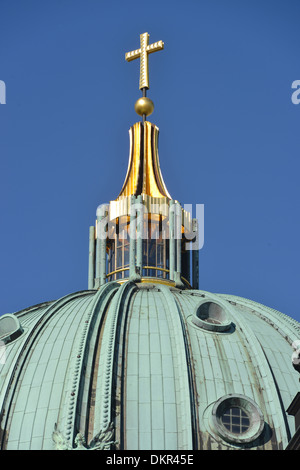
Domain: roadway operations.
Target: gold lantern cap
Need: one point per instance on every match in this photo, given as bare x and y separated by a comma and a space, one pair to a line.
144, 175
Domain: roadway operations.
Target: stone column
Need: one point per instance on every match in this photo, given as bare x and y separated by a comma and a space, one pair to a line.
100, 275
91, 258
172, 247
195, 255
132, 242
140, 236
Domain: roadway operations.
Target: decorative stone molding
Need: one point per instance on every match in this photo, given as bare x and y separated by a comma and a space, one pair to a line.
102, 441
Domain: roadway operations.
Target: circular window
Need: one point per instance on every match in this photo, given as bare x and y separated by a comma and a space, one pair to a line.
10, 328
211, 316
237, 419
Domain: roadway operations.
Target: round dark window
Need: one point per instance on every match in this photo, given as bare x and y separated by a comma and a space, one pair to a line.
235, 420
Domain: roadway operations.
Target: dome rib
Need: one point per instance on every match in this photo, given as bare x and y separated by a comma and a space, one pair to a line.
24, 349
264, 388
283, 323
109, 352
74, 412
185, 374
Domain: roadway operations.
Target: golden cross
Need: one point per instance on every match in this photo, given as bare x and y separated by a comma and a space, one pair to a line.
143, 52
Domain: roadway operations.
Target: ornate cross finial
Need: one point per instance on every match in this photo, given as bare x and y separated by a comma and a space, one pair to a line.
143, 52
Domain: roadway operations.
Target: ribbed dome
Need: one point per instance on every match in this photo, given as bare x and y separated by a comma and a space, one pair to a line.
152, 367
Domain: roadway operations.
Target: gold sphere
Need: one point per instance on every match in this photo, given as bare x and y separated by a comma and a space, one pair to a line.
144, 106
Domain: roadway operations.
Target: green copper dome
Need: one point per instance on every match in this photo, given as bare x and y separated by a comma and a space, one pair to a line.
148, 366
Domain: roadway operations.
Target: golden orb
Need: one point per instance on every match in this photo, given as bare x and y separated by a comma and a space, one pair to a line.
144, 106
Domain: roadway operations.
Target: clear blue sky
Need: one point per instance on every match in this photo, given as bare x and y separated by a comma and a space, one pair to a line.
229, 136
